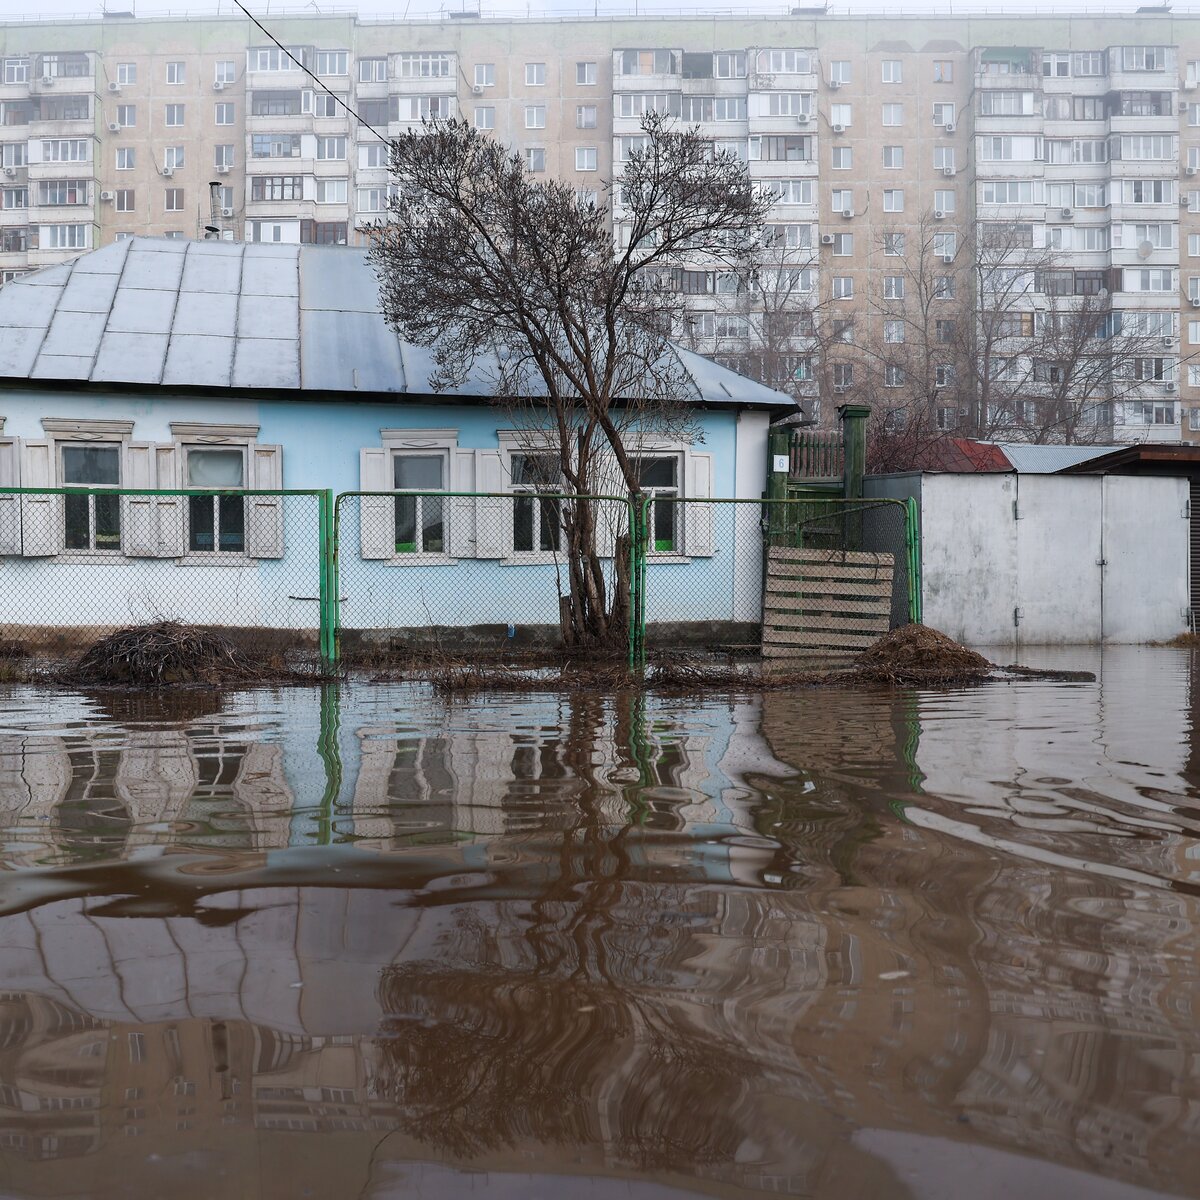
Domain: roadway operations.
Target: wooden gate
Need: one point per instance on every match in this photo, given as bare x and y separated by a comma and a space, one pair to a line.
824, 604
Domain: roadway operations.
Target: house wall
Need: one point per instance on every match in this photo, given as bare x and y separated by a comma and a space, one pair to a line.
321, 444
1026, 560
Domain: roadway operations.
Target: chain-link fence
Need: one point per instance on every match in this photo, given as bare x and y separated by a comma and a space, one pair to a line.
77, 563
480, 577
791, 580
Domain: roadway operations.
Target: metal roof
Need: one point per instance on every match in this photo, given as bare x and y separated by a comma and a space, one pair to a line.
1045, 460
213, 314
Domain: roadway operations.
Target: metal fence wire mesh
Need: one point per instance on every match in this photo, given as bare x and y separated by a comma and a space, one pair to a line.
79, 563
785, 579
475, 576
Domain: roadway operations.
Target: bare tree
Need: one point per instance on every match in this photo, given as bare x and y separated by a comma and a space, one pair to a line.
497, 270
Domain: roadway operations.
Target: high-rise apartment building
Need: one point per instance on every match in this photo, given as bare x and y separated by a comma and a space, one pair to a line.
901, 152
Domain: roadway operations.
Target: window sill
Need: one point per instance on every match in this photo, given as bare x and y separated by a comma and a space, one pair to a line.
417, 560
662, 558
228, 559
534, 558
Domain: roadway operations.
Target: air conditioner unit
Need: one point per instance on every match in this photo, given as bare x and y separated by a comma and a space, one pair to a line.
114, 88
47, 81
114, 127
949, 127
1189, 170
1184, 202
835, 84
223, 169
1168, 387
841, 387
107, 195
938, 215
218, 85
947, 258
802, 118
948, 171
847, 212
10, 172
477, 90
1066, 214
1168, 342
1189, 85
827, 239
838, 128
1196, 301
167, 172
227, 212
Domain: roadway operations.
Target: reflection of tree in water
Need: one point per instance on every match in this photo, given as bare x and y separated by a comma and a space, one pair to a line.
546, 1023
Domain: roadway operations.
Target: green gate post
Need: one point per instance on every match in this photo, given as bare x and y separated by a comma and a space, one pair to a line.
328, 578
912, 538
854, 466
779, 462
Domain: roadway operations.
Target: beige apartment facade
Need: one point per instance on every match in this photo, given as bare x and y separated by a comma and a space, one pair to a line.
1078, 138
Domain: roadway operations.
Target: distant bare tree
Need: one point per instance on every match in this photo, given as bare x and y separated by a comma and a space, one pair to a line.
496, 269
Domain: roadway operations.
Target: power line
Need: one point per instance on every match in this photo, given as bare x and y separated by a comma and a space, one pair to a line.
310, 74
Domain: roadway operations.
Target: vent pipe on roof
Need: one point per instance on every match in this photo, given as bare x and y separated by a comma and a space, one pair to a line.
221, 225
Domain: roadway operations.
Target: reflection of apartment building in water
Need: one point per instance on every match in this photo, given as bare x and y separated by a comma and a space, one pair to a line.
1077, 139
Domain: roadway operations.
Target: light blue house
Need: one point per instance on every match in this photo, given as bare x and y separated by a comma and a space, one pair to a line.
168, 364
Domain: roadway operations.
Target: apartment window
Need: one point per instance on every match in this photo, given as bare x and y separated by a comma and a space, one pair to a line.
223, 157
174, 199
843, 244
893, 72
65, 237
789, 104
1146, 191
893, 114
841, 114
729, 108
224, 113
943, 287
485, 74
277, 187
331, 191
843, 287
225, 72
535, 74
893, 245
485, 118
126, 73
91, 522
893, 200
127, 115
893, 287
14, 239
535, 158
893, 376
943, 114
323, 233
893, 331
943, 158
843, 375
943, 201
371, 200
176, 73
126, 158
59, 192
331, 149
173, 157
424, 66
893, 158
16, 70
784, 62
65, 150
325, 105
333, 62
1143, 58
15, 197
943, 70
841, 200
420, 526
585, 158
839, 71
729, 64
372, 155
945, 245
174, 115
585, 116
372, 70
537, 525
945, 331
1193, 245
535, 116
585, 73
840, 158
780, 148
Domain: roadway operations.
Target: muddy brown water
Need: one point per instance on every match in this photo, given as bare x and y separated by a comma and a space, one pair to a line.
363, 943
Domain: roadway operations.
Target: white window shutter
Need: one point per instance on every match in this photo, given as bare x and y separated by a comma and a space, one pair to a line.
698, 524
264, 515
41, 516
10, 502
376, 514
460, 513
139, 535
168, 510
493, 515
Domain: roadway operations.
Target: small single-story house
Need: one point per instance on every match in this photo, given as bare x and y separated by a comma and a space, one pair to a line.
168, 364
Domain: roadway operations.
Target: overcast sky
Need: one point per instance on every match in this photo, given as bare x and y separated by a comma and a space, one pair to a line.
427, 8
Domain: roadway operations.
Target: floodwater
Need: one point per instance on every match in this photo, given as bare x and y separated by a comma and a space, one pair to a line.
364, 943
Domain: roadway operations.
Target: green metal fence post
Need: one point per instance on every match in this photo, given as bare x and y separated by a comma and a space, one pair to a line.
912, 537
639, 532
328, 578
779, 464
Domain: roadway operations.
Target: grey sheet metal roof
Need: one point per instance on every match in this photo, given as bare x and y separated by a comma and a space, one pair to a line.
160, 311
1045, 460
